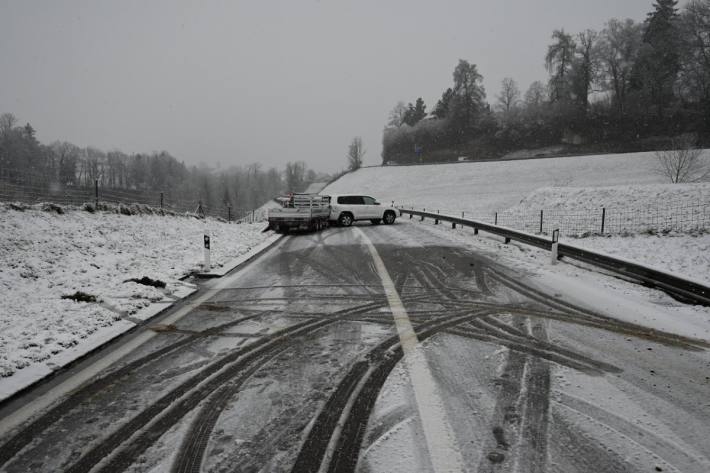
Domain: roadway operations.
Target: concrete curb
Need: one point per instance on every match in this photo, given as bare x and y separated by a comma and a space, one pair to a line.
149, 314
240, 260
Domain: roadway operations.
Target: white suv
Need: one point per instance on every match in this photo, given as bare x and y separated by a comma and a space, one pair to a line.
345, 209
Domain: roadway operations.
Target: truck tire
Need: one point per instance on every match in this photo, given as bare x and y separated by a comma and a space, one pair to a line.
389, 217
345, 219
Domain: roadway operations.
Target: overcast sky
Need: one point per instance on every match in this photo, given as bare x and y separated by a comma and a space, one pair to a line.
235, 82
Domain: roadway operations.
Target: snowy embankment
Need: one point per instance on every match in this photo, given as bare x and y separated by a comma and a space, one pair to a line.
46, 256
627, 183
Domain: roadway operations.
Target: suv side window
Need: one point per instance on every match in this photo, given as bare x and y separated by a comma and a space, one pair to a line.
350, 200
369, 200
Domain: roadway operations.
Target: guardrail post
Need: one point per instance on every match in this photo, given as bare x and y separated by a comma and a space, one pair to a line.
453, 225
495, 221
603, 219
475, 230
229, 213
96, 192
541, 221
424, 210
436, 220
507, 240
161, 200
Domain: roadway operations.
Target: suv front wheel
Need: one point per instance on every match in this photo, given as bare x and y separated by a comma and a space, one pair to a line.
389, 217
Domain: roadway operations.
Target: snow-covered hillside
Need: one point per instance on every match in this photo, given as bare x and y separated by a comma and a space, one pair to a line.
45, 255
487, 187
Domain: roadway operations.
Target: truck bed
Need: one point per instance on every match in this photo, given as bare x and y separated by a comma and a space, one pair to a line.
302, 212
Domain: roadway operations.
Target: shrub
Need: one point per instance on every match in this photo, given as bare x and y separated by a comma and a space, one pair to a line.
80, 296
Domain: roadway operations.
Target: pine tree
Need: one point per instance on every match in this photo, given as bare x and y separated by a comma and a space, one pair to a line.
441, 110
659, 60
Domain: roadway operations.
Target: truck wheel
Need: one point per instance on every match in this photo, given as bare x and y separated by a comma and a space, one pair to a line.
376, 221
345, 220
389, 218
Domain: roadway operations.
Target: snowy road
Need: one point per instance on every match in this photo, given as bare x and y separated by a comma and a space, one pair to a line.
303, 362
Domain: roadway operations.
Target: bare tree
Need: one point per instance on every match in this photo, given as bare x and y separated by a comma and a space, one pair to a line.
397, 115
536, 94
559, 61
7, 122
66, 156
509, 94
683, 162
355, 153
586, 67
695, 40
618, 48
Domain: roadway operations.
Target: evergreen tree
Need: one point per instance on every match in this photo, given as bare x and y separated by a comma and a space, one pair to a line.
468, 99
659, 59
415, 113
441, 110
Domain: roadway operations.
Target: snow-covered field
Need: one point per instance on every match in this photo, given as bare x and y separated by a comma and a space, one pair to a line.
627, 185
45, 255
487, 187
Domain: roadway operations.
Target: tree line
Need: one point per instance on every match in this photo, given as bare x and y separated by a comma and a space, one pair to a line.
26, 162
628, 87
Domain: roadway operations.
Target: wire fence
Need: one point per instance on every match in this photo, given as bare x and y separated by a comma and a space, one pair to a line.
674, 217
98, 194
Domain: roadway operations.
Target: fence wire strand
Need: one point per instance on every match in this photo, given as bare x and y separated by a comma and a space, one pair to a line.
675, 216
35, 192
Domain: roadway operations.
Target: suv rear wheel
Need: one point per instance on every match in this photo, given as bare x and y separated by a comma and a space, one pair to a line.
345, 219
389, 217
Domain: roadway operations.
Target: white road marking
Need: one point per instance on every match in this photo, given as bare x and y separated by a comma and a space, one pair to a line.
444, 452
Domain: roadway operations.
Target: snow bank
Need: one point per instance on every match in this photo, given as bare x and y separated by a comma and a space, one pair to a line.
611, 197
45, 255
686, 255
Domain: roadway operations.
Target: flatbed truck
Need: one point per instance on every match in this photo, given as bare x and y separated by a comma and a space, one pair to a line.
308, 212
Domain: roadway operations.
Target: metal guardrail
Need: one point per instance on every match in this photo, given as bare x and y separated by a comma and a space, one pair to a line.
680, 288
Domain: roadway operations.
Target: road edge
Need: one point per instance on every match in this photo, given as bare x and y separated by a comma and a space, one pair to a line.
232, 266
